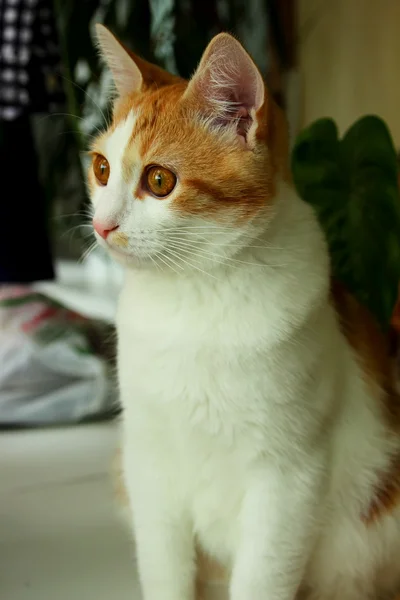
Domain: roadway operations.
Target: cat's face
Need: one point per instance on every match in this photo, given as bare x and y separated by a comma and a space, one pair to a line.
187, 173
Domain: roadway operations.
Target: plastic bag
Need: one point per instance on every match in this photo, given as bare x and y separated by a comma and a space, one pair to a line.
56, 366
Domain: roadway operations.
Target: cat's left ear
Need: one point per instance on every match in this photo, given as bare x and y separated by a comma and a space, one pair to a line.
229, 86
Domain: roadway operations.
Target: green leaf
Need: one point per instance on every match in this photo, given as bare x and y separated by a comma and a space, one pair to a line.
352, 184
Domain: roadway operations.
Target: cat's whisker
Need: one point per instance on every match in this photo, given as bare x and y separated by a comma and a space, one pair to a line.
78, 214
70, 115
106, 121
158, 257
164, 258
205, 230
222, 259
175, 263
211, 228
72, 230
157, 266
60, 114
88, 252
209, 237
190, 264
175, 231
205, 234
203, 254
211, 243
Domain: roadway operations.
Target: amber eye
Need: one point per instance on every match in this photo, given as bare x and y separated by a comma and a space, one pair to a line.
160, 181
101, 169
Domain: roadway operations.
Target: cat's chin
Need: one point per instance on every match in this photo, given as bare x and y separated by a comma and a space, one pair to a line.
130, 259
122, 256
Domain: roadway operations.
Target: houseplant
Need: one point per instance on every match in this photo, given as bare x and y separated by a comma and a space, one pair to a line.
352, 183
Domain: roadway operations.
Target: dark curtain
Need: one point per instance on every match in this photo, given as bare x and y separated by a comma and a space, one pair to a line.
30, 83
24, 241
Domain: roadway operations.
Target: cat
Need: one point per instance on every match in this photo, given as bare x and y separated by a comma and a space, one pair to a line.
260, 420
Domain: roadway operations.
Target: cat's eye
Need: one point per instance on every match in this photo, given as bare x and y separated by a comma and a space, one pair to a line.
101, 169
160, 181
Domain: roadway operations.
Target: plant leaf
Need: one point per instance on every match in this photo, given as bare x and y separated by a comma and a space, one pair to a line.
353, 186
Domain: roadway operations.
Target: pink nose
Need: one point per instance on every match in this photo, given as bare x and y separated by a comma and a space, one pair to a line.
103, 229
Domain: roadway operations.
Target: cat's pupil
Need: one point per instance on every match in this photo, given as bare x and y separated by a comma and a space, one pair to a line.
159, 179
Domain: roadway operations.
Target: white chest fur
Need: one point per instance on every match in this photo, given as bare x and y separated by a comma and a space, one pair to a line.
215, 378
242, 383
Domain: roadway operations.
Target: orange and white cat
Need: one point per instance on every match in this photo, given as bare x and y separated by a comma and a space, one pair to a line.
258, 422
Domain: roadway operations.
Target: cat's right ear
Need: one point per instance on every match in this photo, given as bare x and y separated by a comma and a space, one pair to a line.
228, 87
126, 74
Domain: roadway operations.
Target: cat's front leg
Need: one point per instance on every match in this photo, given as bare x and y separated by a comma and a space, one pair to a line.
278, 526
163, 535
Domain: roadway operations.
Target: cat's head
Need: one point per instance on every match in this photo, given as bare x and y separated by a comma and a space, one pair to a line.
188, 172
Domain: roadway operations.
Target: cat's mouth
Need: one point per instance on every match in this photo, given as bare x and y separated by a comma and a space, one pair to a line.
132, 250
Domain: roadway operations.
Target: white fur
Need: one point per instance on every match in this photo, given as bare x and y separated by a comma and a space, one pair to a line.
248, 425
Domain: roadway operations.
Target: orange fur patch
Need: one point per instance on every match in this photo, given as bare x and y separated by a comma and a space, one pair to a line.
373, 350
387, 495
273, 131
209, 570
119, 485
119, 239
216, 178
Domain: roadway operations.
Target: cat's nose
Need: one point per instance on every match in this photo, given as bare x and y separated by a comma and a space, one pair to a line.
103, 229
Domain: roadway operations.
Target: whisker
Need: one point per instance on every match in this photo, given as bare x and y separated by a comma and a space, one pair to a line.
182, 231
99, 131
205, 241
211, 228
72, 215
200, 254
219, 258
72, 230
61, 114
162, 257
157, 255
90, 98
191, 264
88, 251
175, 263
154, 262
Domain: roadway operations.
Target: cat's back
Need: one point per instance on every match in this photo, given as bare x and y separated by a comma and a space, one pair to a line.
375, 351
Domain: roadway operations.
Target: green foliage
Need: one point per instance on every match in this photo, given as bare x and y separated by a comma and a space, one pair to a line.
352, 183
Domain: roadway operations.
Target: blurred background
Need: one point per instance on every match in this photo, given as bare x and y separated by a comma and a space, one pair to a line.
58, 290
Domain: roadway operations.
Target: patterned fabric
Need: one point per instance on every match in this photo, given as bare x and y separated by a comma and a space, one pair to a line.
29, 59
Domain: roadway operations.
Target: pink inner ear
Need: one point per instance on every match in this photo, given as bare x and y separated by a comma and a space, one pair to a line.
245, 87
232, 88
242, 119
230, 83
244, 122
